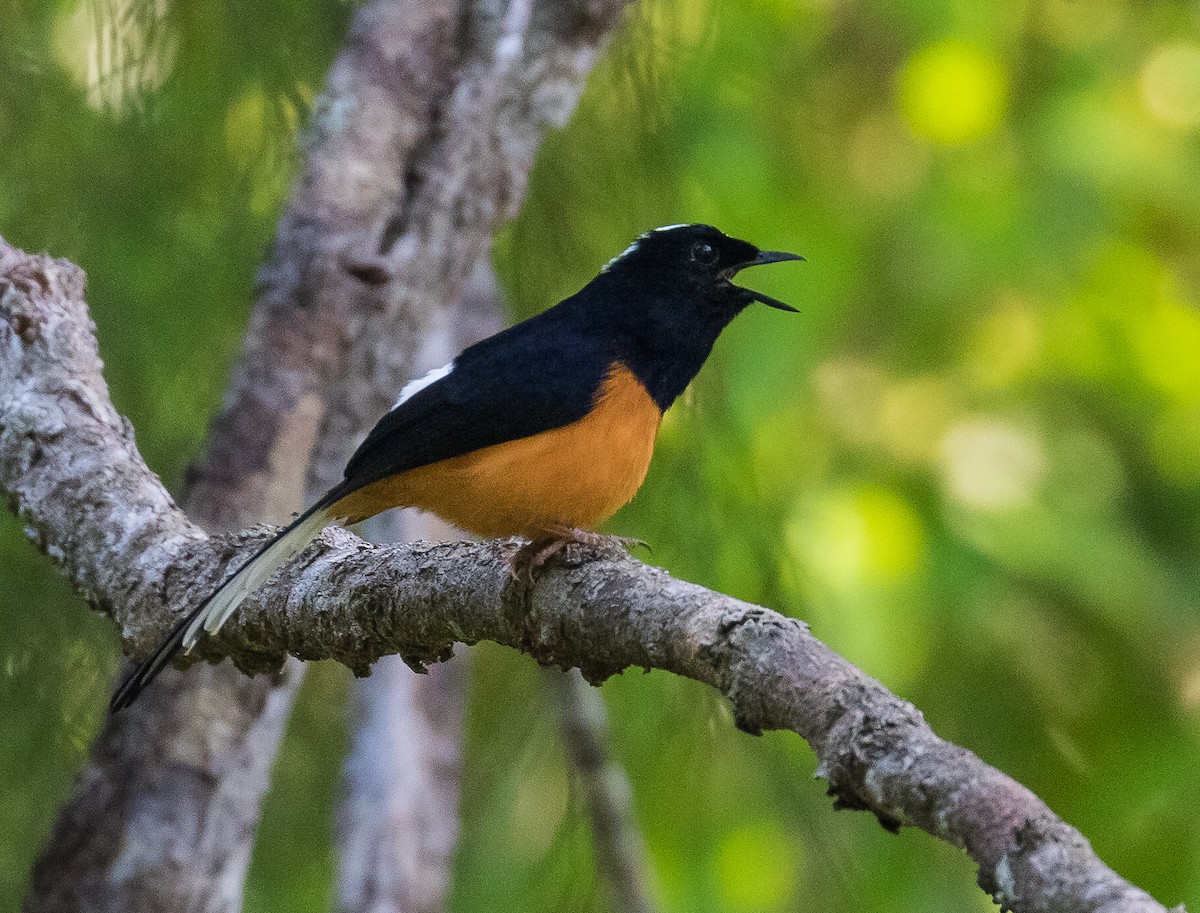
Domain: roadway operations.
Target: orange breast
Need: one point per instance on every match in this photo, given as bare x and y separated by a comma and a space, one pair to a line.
578, 475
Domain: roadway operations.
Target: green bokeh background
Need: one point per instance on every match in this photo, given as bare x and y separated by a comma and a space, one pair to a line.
972, 464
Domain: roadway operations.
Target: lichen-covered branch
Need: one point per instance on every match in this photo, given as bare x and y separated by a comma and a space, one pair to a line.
135, 557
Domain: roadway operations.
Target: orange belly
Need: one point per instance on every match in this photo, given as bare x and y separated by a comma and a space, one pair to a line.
578, 475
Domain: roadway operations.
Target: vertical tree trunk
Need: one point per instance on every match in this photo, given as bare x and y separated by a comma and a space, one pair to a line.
398, 819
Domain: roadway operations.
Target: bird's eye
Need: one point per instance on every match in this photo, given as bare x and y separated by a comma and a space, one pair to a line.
704, 253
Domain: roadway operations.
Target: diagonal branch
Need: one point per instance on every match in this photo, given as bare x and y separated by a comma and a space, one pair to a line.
620, 850
68, 463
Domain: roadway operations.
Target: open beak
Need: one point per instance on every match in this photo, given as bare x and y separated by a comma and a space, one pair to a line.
764, 257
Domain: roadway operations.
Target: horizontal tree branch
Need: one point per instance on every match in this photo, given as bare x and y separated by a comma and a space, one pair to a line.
68, 463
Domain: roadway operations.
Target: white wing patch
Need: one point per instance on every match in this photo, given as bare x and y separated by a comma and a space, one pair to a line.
413, 387
638, 240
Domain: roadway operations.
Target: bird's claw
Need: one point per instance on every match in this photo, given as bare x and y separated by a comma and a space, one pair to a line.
533, 555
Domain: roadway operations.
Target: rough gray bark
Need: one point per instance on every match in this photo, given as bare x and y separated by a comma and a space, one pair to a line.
132, 836
68, 464
420, 146
620, 851
381, 93
517, 72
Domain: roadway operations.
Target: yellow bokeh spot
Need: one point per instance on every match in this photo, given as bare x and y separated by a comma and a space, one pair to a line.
851, 393
1167, 338
867, 535
756, 868
884, 160
1075, 342
245, 124
1170, 84
953, 92
992, 465
118, 51
251, 135
895, 536
864, 548
1189, 690
1187, 671
913, 416
686, 24
1072, 23
1005, 344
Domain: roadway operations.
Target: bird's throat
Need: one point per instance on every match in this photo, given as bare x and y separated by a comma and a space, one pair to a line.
665, 375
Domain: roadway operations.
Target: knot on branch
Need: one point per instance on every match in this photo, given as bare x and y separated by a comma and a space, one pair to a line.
748, 639
543, 630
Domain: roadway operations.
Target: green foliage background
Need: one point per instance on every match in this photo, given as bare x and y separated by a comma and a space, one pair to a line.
973, 463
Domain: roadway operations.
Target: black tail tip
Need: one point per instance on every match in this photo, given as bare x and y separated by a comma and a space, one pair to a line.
140, 678
127, 692
145, 672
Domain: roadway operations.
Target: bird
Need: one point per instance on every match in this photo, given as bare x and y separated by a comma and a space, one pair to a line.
542, 431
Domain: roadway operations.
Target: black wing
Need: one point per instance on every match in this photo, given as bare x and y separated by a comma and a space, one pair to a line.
538, 375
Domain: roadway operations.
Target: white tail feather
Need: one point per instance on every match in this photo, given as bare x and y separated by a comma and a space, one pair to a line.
250, 576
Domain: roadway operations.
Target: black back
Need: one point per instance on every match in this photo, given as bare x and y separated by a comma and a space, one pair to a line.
538, 375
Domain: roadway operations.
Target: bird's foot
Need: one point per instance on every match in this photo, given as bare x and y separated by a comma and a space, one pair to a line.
533, 556
587, 537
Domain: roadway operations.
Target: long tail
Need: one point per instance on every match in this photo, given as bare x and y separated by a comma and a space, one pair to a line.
224, 600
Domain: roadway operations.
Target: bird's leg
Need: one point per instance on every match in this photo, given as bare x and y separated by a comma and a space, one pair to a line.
530, 557
587, 537
533, 555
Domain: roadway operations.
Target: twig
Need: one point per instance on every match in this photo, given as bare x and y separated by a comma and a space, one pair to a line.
620, 852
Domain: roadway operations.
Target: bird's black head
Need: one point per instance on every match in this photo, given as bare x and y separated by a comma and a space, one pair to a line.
694, 265
670, 294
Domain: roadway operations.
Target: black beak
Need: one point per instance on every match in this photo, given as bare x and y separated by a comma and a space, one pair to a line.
764, 257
